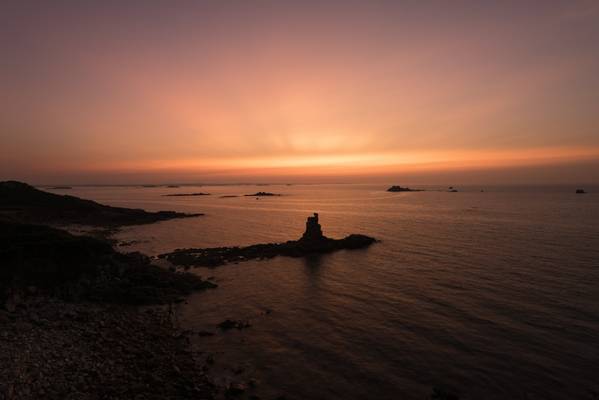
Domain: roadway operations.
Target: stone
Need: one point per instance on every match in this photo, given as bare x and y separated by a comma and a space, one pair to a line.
313, 231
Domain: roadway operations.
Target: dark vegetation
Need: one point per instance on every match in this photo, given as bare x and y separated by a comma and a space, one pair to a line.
20, 202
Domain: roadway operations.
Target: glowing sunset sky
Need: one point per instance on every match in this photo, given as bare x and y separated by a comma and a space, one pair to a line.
183, 91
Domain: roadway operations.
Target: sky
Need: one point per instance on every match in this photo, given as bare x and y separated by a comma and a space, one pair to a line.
299, 91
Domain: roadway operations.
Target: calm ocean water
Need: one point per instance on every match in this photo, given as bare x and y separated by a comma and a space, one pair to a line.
494, 293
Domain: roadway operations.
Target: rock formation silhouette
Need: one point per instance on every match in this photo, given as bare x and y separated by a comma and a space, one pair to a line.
311, 242
397, 188
313, 233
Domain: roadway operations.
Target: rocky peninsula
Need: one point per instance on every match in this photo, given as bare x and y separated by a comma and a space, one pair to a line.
312, 242
21, 202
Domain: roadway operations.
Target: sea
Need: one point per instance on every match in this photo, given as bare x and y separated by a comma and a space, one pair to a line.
491, 292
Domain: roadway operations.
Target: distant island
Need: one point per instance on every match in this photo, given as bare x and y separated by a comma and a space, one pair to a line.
21, 202
61, 187
312, 242
259, 194
402, 189
186, 194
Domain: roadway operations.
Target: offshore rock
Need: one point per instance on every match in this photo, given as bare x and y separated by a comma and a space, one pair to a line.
312, 242
313, 231
402, 189
262, 194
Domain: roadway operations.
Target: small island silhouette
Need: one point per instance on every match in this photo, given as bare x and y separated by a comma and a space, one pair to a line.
397, 188
261, 194
186, 194
312, 242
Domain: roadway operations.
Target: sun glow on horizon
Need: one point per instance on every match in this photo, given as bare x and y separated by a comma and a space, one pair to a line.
344, 88
360, 163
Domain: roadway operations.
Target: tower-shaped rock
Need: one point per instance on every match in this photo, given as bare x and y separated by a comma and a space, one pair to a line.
313, 233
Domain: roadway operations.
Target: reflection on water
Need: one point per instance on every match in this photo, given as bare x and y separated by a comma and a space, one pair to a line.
313, 264
493, 293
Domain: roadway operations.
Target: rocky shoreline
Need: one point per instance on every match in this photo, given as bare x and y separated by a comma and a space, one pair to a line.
81, 320
50, 349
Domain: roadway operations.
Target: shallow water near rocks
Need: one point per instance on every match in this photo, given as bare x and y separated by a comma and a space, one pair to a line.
494, 293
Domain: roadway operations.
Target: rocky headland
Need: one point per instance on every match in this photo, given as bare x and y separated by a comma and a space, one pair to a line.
73, 326
312, 242
81, 320
20, 202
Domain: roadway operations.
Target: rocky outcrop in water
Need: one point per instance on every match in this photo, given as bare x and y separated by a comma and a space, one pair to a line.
311, 242
20, 202
186, 194
313, 233
402, 189
262, 194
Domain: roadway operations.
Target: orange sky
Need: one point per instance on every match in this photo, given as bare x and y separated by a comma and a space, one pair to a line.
269, 90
